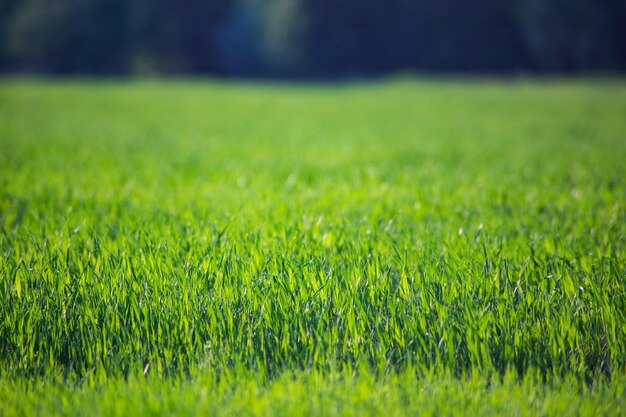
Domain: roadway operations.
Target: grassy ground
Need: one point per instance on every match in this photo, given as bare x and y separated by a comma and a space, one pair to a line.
407, 247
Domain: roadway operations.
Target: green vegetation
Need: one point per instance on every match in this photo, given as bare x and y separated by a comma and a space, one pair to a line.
405, 247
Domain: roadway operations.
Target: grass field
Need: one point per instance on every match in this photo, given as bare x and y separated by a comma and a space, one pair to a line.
408, 247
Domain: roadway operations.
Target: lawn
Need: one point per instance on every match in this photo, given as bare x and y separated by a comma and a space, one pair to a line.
404, 247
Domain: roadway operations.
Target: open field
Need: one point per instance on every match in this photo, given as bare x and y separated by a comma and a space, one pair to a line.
407, 247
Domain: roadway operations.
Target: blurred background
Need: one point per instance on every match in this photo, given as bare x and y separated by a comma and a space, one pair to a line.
312, 39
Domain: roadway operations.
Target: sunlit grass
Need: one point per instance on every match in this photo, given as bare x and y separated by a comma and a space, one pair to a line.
282, 248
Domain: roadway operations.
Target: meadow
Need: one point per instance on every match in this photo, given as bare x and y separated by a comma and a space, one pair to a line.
403, 247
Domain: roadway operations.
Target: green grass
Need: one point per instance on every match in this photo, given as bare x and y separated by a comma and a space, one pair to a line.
408, 247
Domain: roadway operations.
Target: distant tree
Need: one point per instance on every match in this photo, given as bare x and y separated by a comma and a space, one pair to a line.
70, 36
285, 27
570, 35
7, 10
351, 37
176, 36
239, 40
264, 37
446, 35
617, 35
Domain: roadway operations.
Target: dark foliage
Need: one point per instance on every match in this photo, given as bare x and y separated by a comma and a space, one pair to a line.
312, 38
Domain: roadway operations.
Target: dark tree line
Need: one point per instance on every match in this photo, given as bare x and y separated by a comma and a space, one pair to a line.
311, 38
